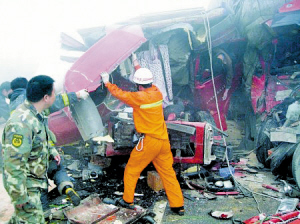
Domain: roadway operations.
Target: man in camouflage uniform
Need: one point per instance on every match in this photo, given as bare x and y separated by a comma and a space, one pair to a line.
55, 172
27, 150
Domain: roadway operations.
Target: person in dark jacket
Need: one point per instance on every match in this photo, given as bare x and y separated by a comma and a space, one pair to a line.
18, 95
4, 107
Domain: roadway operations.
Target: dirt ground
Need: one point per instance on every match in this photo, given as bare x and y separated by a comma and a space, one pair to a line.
198, 205
197, 209
243, 208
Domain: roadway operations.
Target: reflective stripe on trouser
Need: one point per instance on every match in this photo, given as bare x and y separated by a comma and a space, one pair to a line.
32, 211
159, 153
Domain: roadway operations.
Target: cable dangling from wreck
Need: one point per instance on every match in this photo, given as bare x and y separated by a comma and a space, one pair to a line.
209, 45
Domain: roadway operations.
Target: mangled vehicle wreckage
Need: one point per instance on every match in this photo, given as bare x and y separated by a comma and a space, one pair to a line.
199, 59
275, 96
168, 46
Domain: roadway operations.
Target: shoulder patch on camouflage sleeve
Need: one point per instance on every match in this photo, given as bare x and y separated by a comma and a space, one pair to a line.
17, 140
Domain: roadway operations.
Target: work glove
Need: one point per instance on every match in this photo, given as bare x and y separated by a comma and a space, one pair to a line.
83, 94
133, 57
105, 77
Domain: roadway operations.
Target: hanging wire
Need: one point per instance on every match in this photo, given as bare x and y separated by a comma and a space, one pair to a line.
209, 45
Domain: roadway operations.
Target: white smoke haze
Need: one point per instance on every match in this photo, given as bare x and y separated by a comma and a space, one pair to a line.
30, 30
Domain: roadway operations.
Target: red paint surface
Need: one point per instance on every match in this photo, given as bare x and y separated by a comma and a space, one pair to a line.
204, 98
197, 139
103, 56
291, 6
257, 90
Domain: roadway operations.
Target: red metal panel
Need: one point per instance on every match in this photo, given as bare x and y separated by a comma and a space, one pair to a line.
204, 98
198, 141
291, 6
257, 89
105, 55
64, 128
272, 88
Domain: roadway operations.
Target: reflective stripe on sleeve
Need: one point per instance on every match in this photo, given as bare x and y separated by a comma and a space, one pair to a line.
65, 99
156, 104
51, 143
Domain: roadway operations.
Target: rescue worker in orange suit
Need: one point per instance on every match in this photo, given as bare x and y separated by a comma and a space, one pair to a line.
154, 145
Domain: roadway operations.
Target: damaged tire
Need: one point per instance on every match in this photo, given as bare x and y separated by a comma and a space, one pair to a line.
281, 158
262, 152
263, 143
296, 165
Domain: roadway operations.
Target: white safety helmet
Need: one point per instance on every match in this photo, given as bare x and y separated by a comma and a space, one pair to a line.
143, 76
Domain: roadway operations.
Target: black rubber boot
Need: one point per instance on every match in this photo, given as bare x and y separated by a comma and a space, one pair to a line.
178, 210
124, 204
73, 196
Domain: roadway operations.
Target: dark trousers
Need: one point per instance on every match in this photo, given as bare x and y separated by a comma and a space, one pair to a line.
59, 175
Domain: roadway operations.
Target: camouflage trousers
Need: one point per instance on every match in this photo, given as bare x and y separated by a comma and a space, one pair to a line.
32, 211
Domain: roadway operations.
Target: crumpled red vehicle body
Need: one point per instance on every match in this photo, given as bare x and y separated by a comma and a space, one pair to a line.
105, 55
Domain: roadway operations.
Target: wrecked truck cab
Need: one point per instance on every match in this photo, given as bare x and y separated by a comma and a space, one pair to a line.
277, 77
85, 74
203, 85
191, 137
275, 88
191, 142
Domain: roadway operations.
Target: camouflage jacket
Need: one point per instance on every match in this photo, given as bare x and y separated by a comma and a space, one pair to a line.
26, 152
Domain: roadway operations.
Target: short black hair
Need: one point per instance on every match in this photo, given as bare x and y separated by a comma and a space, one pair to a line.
38, 87
5, 86
19, 82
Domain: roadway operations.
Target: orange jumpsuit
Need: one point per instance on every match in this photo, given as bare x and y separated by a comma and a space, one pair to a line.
149, 119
